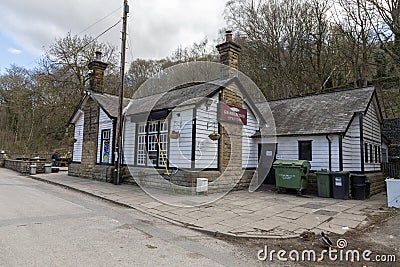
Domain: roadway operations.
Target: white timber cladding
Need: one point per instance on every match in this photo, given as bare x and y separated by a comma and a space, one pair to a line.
128, 145
180, 149
249, 145
351, 146
78, 135
288, 148
206, 150
372, 137
105, 123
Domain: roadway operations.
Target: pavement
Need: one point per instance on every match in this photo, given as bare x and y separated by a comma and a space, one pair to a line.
260, 214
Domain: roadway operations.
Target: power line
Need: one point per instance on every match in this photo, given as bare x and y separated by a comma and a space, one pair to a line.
97, 37
100, 20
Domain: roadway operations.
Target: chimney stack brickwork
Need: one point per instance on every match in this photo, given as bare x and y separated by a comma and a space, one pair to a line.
97, 76
90, 138
229, 53
91, 113
230, 143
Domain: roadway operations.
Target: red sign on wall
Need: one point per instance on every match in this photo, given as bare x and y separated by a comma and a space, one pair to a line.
232, 114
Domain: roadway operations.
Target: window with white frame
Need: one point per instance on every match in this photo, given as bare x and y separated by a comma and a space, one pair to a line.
141, 144
152, 143
106, 146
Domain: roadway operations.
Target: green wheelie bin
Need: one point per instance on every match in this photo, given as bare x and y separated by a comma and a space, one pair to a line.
291, 174
324, 183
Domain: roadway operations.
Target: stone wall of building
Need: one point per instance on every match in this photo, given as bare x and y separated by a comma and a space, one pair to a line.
74, 169
90, 137
185, 182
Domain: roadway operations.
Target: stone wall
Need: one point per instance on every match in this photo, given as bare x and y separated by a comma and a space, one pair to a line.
90, 137
185, 182
103, 173
74, 169
23, 166
3, 157
377, 181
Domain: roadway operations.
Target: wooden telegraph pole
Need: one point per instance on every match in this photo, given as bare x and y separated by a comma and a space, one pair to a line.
118, 142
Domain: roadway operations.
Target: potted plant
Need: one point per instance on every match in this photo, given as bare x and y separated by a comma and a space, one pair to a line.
214, 136
174, 134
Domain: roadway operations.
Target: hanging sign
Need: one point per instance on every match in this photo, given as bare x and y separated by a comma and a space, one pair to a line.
232, 114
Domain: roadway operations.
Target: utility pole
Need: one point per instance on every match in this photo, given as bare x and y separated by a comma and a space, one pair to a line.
118, 142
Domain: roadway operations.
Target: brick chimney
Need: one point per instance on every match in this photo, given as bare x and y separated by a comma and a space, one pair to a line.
229, 54
97, 68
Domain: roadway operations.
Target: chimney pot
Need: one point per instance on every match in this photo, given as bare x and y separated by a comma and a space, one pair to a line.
228, 36
98, 55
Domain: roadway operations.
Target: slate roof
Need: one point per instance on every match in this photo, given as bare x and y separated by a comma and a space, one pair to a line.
318, 114
109, 103
184, 95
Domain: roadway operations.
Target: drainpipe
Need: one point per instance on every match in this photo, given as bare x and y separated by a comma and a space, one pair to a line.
330, 152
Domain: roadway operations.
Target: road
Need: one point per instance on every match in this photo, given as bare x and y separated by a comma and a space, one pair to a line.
46, 225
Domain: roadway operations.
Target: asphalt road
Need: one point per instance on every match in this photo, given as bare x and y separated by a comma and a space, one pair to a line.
46, 225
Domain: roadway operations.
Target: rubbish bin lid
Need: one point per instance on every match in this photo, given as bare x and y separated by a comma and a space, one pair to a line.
323, 172
288, 163
341, 172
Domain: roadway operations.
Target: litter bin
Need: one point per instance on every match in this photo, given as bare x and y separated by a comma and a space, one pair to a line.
340, 185
292, 174
33, 169
359, 186
47, 168
358, 179
324, 184
359, 191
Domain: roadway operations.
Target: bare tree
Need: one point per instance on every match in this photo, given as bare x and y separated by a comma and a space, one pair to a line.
387, 26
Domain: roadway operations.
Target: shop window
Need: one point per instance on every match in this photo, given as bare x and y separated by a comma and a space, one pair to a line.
305, 150
151, 143
106, 146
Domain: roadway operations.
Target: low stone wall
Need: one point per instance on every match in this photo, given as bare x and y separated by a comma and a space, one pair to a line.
23, 166
74, 169
185, 181
377, 181
104, 173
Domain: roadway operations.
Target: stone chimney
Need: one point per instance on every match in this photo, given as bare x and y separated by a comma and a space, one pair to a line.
230, 143
96, 72
229, 54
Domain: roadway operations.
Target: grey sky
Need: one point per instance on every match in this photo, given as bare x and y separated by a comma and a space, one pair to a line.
155, 27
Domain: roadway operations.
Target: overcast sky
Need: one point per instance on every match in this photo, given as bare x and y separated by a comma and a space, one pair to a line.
155, 27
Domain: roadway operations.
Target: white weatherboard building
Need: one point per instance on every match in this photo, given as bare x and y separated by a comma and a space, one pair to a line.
338, 130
